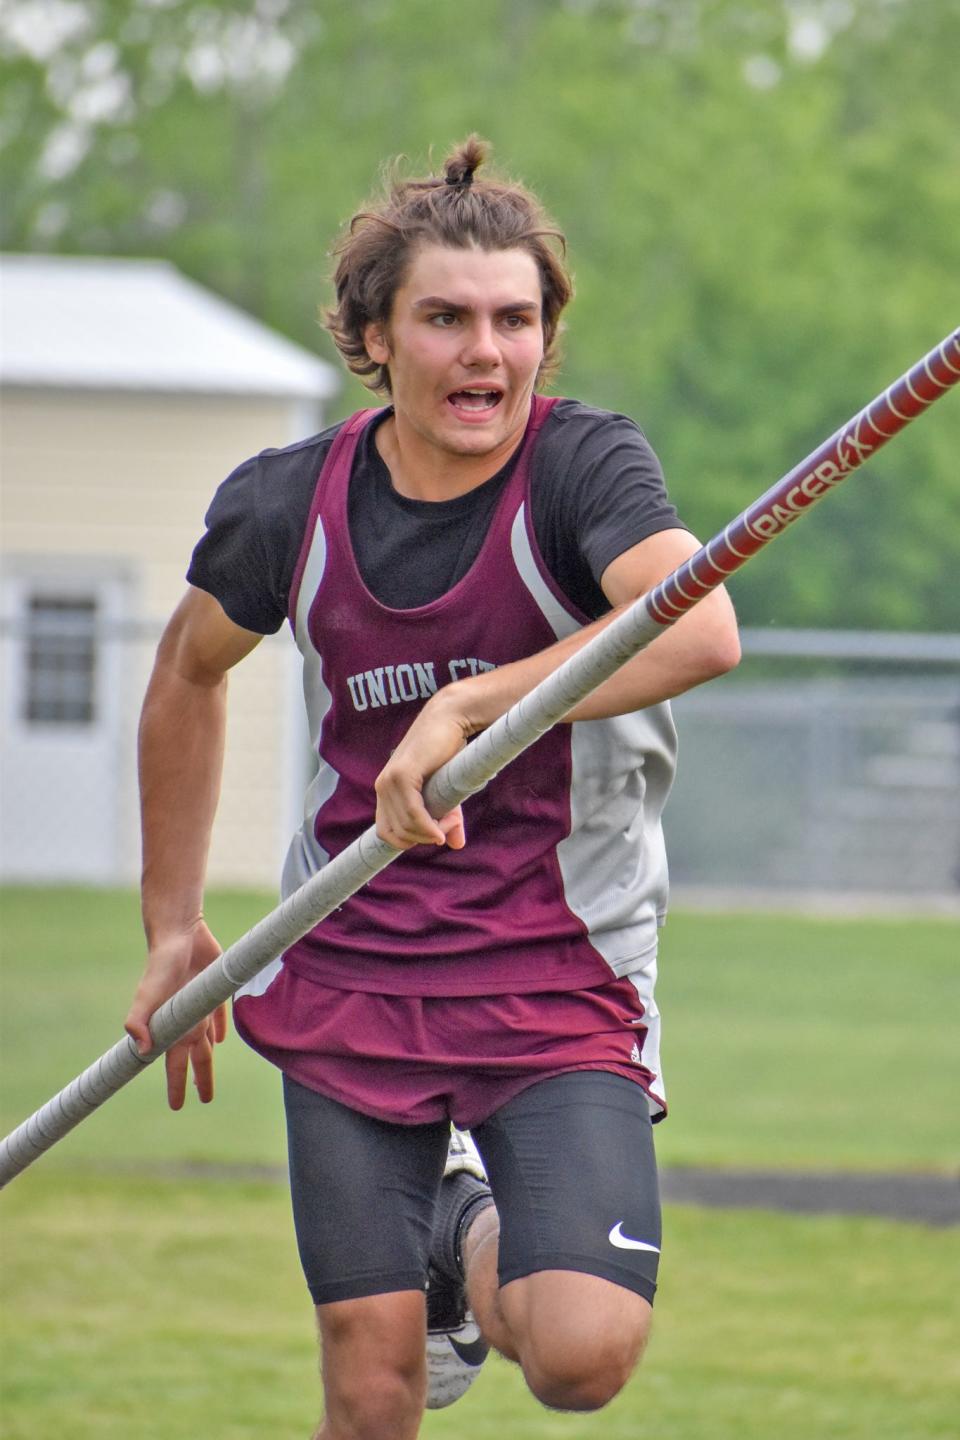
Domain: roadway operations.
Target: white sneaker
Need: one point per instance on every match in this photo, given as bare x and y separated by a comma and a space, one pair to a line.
455, 1348
462, 1154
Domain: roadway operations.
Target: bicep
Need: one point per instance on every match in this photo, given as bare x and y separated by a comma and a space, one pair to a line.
644, 565
711, 625
201, 643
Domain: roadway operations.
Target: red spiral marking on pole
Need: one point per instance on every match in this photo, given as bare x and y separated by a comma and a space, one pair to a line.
674, 605
721, 541
676, 595
731, 549
886, 434
910, 386
921, 386
940, 384
865, 445
913, 392
687, 573
955, 342
707, 572
655, 607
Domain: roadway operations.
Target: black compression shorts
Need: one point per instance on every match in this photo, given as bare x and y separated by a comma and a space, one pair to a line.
571, 1166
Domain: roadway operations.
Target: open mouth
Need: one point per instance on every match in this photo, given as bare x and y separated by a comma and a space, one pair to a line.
475, 401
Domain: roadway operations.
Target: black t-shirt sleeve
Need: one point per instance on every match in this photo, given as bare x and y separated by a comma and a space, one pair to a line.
255, 528
598, 489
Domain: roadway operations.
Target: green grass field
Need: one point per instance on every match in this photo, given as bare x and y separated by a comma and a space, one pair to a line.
168, 1308
788, 1041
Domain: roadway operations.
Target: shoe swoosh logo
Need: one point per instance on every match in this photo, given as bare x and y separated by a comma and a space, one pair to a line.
471, 1352
624, 1242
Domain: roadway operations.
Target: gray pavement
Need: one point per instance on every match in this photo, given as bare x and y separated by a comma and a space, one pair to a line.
926, 1199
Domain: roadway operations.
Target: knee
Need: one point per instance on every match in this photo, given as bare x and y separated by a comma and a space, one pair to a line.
373, 1366
584, 1377
386, 1402
566, 1388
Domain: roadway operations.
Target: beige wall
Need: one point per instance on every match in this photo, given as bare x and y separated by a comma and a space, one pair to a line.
117, 481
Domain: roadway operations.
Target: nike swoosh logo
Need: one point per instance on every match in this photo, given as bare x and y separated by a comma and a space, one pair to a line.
624, 1242
471, 1352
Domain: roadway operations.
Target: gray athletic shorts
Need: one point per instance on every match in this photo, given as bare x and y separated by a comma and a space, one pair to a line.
571, 1166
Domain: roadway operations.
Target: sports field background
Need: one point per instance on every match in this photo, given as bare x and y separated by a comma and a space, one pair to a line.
145, 1297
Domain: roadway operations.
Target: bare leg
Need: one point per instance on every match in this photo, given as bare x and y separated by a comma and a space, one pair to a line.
577, 1337
373, 1367
480, 1253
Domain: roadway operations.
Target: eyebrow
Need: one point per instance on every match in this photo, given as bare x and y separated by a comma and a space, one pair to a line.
437, 302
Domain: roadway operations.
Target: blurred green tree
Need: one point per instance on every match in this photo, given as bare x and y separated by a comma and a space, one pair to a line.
762, 199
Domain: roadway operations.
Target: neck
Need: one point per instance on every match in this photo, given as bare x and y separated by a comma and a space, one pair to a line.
420, 470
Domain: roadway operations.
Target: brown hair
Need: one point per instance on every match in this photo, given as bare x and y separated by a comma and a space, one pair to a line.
376, 249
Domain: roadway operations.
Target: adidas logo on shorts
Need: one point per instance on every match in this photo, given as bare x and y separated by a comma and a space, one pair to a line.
635, 1053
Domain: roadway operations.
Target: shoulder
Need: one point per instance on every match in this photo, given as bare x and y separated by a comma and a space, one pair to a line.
254, 529
279, 474
584, 434
272, 490
301, 452
590, 457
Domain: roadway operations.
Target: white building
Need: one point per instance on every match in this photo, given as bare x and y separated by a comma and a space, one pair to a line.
129, 393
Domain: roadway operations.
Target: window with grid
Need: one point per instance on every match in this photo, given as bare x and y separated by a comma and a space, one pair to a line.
60, 660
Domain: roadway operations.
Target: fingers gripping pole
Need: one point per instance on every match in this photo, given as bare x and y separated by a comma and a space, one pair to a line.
625, 636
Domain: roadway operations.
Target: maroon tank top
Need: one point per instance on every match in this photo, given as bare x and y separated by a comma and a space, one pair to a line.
492, 917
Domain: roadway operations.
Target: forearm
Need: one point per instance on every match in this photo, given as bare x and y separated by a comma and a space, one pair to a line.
700, 646
182, 732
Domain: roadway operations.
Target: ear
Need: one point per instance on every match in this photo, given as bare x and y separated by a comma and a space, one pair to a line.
375, 340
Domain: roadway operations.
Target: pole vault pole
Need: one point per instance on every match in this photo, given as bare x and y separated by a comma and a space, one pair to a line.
625, 636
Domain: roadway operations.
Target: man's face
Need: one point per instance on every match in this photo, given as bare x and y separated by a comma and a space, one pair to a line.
464, 345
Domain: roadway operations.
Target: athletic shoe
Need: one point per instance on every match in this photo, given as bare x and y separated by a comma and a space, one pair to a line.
462, 1154
455, 1347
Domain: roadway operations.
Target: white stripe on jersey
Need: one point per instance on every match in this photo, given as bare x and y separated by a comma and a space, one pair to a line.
643, 979
559, 619
622, 769
305, 857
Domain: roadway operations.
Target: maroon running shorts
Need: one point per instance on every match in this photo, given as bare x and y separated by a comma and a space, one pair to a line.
413, 1060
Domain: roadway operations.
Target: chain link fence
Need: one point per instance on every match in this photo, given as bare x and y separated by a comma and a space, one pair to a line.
826, 764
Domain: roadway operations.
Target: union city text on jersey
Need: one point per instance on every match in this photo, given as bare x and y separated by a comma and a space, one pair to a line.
399, 684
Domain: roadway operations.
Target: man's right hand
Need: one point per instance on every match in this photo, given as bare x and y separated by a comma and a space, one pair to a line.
173, 961
181, 740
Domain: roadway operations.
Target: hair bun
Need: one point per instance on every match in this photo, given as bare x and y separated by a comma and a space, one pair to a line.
443, 208
459, 167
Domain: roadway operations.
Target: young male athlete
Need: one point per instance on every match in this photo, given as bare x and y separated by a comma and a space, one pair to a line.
435, 559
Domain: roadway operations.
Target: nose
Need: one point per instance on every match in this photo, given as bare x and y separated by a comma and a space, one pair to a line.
481, 345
